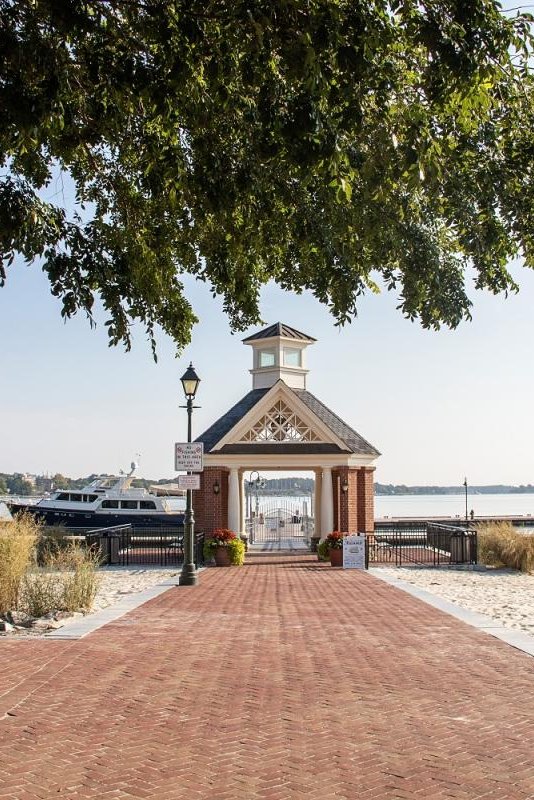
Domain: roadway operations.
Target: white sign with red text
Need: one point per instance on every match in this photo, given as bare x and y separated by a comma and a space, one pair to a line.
188, 456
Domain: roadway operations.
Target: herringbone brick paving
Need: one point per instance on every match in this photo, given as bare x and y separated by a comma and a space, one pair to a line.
282, 680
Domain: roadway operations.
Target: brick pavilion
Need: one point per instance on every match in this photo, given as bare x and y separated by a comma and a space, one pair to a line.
280, 425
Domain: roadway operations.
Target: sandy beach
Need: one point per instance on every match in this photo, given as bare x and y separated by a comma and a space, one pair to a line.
504, 595
116, 582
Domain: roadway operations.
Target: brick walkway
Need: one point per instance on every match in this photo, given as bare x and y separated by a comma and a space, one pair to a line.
281, 680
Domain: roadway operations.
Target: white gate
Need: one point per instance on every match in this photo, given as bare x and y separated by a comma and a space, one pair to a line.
278, 519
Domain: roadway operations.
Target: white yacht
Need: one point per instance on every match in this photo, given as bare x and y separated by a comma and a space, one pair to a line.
104, 502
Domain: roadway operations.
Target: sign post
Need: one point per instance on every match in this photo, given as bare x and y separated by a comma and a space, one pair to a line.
354, 551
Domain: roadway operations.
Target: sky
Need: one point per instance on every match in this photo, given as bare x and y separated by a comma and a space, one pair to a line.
440, 406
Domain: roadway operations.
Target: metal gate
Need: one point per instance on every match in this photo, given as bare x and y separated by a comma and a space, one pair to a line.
422, 544
278, 520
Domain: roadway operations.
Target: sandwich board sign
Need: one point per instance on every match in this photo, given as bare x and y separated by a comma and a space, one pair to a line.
188, 456
354, 551
189, 481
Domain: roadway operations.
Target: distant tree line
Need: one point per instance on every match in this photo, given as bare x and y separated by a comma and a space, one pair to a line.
18, 483
399, 489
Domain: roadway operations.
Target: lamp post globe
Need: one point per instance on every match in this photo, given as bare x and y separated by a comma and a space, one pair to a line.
189, 574
190, 381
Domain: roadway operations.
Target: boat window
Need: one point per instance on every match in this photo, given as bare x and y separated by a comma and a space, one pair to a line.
76, 498
128, 503
91, 498
110, 504
63, 496
147, 504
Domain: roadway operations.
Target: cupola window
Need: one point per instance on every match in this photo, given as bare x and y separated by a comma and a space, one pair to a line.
267, 358
292, 357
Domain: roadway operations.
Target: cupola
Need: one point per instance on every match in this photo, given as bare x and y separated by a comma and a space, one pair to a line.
279, 353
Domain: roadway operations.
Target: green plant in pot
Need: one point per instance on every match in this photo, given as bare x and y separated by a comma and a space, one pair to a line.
225, 547
334, 546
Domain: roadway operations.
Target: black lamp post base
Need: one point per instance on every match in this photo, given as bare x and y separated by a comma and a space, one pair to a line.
188, 575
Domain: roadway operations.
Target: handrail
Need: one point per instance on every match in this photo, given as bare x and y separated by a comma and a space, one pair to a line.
126, 526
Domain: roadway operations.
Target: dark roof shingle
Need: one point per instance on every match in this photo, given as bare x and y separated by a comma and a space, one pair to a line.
279, 329
353, 440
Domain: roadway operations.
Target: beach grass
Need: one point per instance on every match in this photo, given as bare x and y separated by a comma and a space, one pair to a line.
501, 545
68, 580
40, 572
18, 539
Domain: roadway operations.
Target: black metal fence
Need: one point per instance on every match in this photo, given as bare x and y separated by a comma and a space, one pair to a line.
125, 545
422, 544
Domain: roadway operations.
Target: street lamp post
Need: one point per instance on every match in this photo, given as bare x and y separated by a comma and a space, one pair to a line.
466, 514
249, 485
189, 574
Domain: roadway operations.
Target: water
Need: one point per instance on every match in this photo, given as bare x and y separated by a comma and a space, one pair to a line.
453, 505
427, 505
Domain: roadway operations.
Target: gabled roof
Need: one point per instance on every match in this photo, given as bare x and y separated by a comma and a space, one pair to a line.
353, 441
279, 329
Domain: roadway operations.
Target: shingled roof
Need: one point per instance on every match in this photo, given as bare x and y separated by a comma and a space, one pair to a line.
353, 441
279, 329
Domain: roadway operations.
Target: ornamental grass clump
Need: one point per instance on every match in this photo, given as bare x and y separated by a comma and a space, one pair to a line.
68, 580
222, 537
502, 545
17, 544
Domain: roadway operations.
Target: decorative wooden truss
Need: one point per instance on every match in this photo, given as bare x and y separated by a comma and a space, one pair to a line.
280, 424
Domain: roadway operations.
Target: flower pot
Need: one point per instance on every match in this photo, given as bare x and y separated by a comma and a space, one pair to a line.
222, 557
336, 556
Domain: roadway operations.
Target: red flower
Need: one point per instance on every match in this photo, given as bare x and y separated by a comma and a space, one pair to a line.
335, 539
223, 535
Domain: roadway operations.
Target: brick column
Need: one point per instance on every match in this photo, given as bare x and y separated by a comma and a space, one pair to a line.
211, 509
348, 501
366, 500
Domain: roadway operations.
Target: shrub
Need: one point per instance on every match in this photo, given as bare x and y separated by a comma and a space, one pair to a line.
222, 537
501, 545
236, 548
334, 540
322, 551
17, 543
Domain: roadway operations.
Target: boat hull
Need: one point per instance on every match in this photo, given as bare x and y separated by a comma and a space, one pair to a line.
94, 519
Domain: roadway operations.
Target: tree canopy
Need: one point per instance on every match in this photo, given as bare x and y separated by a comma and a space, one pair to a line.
328, 145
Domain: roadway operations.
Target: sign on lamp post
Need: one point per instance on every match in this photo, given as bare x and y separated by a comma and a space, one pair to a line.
191, 482
188, 456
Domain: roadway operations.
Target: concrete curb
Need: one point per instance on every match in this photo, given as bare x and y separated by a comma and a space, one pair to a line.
518, 639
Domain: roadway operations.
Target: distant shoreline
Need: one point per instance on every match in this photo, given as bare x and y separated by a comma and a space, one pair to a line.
396, 490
